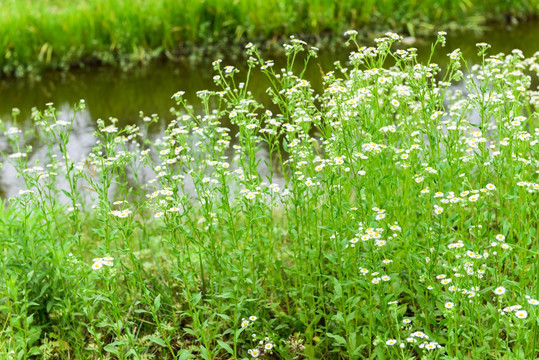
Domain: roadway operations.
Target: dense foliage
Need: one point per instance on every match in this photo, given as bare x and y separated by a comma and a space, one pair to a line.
392, 216
61, 33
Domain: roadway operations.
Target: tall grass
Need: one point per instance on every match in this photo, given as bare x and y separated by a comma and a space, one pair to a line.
390, 216
60, 33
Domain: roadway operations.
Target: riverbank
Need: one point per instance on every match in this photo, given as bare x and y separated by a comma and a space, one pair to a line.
59, 34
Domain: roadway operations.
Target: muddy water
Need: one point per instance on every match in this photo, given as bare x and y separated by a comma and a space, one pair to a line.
111, 92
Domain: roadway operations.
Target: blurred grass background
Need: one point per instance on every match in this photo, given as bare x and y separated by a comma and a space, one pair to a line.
63, 33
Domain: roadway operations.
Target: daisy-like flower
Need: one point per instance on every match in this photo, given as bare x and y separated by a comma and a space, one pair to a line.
121, 213
512, 308
254, 352
533, 302
250, 195
449, 305
252, 318
490, 187
419, 334
268, 346
97, 265
500, 237
391, 342
244, 323
178, 95
499, 290
521, 314
406, 321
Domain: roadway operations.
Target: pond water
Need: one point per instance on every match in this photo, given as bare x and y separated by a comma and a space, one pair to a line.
110, 92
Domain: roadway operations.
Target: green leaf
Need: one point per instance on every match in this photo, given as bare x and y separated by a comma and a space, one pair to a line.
196, 298
157, 302
338, 288
67, 194
112, 349
225, 346
157, 341
190, 331
204, 353
339, 339
132, 352
101, 298
185, 354
338, 317
34, 351
43, 289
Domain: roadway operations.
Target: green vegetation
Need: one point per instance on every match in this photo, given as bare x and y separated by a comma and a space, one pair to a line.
390, 216
61, 33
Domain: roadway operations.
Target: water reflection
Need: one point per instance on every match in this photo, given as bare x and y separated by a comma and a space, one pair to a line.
80, 142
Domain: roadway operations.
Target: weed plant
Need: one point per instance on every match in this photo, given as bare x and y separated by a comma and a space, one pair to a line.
391, 216
60, 34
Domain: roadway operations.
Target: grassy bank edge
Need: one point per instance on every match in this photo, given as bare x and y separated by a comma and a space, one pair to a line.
56, 34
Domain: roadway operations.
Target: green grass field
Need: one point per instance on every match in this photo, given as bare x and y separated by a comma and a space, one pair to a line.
390, 216
59, 34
